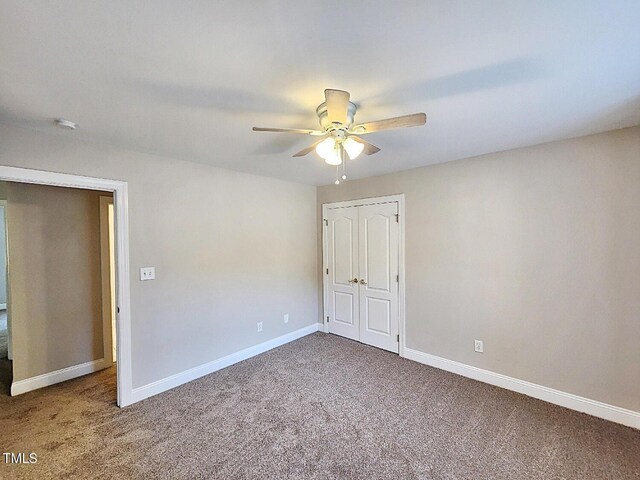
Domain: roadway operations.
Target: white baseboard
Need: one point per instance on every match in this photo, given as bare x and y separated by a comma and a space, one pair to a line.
3, 306
159, 386
46, 379
612, 413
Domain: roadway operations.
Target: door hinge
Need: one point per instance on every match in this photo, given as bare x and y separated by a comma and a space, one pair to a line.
327, 271
327, 319
326, 222
398, 338
397, 217
398, 278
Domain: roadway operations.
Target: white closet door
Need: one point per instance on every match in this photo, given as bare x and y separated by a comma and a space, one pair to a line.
378, 247
342, 238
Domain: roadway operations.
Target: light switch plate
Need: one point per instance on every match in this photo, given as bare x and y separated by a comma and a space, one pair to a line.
147, 273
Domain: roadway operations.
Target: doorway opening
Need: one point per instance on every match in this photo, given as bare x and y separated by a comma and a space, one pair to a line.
112, 224
60, 298
363, 271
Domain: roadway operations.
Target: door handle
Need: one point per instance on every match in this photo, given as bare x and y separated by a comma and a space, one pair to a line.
362, 282
355, 280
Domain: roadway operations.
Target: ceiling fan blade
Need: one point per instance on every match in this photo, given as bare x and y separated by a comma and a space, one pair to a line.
288, 130
310, 148
337, 105
413, 120
369, 149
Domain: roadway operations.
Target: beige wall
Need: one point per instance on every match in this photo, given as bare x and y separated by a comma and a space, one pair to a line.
535, 251
230, 249
56, 298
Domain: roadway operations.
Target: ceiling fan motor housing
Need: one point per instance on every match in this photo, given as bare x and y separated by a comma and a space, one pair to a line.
324, 120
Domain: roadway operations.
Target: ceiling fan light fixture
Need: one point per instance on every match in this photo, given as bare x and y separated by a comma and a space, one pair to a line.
334, 158
329, 150
353, 148
325, 147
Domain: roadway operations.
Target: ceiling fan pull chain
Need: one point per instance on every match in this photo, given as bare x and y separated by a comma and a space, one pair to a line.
344, 163
337, 175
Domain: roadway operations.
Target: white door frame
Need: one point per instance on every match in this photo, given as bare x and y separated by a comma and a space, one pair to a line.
121, 221
401, 284
106, 276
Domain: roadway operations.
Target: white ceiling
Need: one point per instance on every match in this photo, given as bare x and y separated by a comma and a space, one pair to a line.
188, 79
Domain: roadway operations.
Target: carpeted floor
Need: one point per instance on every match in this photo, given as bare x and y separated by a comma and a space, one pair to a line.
320, 407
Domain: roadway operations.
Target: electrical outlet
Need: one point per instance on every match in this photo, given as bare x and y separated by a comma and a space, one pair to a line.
259, 326
147, 273
286, 318
478, 346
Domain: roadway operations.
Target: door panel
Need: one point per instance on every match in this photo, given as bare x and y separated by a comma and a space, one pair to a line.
378, 314
343, 250
344, 304
378, 252
343, 311
376, 242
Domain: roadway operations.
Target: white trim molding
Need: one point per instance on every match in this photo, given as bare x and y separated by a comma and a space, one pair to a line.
62, 375
3, 306
159, 386
121, 221
106, 275
612, 413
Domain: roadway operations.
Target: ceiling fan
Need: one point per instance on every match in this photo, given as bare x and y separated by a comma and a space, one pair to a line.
339, 135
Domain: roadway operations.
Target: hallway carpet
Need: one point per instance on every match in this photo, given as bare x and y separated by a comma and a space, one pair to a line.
320, 407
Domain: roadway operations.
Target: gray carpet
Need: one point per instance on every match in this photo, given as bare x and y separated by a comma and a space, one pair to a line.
320, 407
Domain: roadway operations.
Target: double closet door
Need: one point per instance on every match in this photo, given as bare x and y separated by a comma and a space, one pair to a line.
362, 278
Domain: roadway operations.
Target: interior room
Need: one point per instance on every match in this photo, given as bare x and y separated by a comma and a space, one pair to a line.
297, 240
